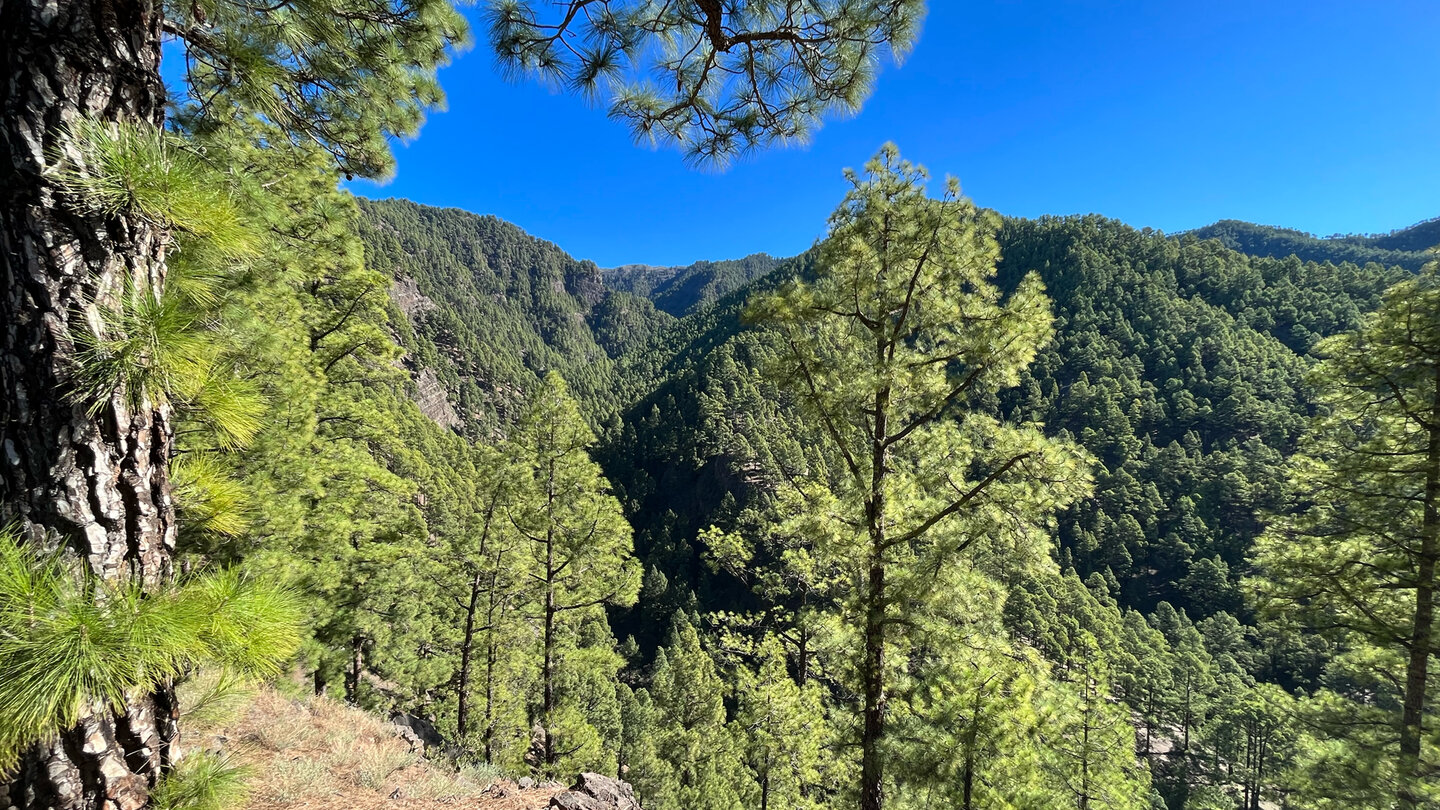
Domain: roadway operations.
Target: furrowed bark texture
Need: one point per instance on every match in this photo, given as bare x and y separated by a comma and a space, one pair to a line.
96, 486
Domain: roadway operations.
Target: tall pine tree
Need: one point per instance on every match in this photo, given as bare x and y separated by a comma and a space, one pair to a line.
887, 349
579, 544
1357, 556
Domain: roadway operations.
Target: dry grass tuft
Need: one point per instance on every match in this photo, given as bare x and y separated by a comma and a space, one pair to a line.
318, 754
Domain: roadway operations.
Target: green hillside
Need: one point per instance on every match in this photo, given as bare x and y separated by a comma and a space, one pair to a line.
1403, 248
1179, 364
683, 290
493, 309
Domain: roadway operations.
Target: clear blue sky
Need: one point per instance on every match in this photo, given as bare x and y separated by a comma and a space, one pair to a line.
1315, 114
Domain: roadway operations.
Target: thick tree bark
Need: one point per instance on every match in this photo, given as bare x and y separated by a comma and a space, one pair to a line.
1422, 627
98, 487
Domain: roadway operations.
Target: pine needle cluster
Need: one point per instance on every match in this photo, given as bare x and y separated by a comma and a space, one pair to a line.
127, 168
165, 346
202, 781
717, 80
70, 641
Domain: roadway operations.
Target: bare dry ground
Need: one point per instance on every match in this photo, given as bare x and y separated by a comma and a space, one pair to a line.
318, 754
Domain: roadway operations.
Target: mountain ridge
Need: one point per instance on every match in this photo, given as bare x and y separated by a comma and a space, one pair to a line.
1404, 247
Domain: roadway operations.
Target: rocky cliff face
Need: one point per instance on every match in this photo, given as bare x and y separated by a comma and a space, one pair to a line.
405, 292
430, 395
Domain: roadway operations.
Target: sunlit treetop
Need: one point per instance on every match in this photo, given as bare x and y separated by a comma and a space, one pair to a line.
715, 78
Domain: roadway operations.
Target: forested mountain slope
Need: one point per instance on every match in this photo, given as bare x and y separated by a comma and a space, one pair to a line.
1421, 236
1404, 247
1179, 364
490, 309
683, 290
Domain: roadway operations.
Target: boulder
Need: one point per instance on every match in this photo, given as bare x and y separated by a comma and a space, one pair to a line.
592, 791
417, 745
570, 800
419, 727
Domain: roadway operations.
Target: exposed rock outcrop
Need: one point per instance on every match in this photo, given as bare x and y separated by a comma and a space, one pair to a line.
407, 296
433, 400
592, 791
414, 730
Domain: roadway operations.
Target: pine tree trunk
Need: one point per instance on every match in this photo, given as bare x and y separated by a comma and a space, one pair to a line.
972, 736
99, 486
872, 766
1084, 802
356, 671
1422, 627
552, 572
548, 673
493, 615
494, 612
467, 647
802, 657
1259, 774
491, 658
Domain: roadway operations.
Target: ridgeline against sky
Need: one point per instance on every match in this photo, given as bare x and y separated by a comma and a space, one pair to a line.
1159, 114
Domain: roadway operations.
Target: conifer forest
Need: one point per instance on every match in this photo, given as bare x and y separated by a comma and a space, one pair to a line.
953, 509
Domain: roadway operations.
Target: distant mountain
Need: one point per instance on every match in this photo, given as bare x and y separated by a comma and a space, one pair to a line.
1418, 237
489, 309
1403, 248
683, 290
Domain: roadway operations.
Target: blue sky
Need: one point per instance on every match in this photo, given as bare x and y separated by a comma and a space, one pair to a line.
1318, 115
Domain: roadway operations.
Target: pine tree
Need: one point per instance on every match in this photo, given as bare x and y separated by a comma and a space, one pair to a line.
638, 754
700, 761
887, 349
486, 572
1085, 739
1089, 742
1253, 736
969, 722
579, 541
784, 729
733, 76
88, 471
1357, 555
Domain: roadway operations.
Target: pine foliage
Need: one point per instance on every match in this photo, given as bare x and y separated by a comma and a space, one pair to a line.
69, 641
715, 79
203, 781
